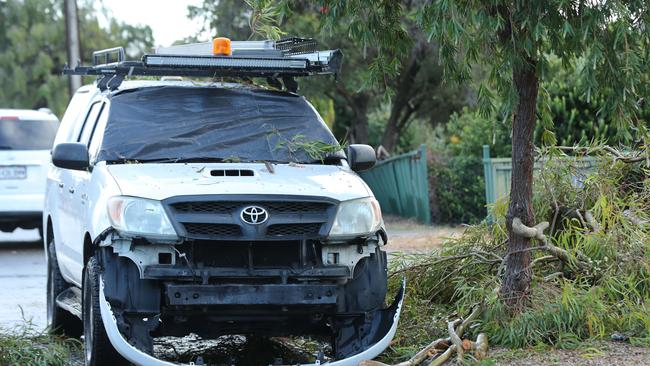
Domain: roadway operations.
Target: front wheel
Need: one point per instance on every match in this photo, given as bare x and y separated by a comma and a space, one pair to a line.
58, 320
98, 348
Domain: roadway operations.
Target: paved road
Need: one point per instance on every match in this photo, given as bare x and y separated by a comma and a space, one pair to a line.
22, 279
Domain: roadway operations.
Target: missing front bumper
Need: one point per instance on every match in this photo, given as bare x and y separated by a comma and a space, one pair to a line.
375, 340
294, 294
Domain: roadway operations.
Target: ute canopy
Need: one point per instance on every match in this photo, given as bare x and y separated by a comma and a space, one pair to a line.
236, 125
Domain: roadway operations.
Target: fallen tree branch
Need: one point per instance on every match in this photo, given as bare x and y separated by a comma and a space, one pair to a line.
481, 347
454, 338
542, 259
553, 276
634, 219
468, 321
589, 217
537, 232
442, 259
617, 155
422, 355
443, 357
449, 343
457, 342
582, 220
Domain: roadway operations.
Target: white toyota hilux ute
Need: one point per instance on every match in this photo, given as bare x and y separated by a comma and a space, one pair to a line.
25, 141
211, 208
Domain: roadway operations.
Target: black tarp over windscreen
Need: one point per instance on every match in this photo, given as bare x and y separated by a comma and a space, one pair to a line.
207, 122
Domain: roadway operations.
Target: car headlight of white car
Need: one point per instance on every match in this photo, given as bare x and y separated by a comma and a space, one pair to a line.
140, 217
357, 217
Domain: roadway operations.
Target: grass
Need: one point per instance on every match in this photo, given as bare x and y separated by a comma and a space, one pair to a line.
25, 345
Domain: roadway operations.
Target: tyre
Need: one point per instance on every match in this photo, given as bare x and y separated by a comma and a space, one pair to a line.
58, 320
97, 347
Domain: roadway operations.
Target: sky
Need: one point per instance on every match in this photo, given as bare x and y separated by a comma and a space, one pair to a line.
167, 18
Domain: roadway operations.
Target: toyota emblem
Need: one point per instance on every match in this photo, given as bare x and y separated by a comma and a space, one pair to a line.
254, 215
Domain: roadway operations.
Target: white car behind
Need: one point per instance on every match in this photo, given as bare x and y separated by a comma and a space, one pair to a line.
26, 138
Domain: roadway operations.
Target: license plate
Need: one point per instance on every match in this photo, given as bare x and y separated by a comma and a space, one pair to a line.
13, 172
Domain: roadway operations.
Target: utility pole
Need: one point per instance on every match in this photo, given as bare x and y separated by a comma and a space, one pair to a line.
72, 42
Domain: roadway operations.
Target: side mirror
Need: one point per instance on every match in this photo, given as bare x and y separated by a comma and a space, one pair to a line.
71, 155
361, 157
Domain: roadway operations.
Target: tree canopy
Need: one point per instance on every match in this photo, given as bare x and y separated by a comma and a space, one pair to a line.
32, 50
605, 41
417, 74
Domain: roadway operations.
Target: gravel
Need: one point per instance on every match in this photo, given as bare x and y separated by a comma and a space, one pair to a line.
597, 354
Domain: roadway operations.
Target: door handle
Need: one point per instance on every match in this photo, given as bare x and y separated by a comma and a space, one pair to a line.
71, 190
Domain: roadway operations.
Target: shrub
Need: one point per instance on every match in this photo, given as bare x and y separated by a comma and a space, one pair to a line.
602, 287
456, 168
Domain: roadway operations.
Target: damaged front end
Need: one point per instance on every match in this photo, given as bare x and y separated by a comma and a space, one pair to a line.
283, 277
383, 330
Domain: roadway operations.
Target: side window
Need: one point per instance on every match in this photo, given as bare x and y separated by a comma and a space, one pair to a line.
68, 122
89, 123
98, 134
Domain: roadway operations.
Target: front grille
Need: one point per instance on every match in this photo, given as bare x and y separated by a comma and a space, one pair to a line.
206, 207
293, 229
229, 206
296, 207
218, 217
198, 229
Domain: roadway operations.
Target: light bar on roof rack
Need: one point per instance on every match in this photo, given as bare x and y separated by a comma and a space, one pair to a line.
224, 62
268, 48
205, 48
286, 58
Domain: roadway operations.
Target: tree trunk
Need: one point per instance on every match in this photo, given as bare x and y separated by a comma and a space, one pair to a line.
516, 284
360, 127
358, 103
402, 104
391, 136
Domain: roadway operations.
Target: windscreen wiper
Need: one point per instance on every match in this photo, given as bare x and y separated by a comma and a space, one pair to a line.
5, 147
327, 160
169, 160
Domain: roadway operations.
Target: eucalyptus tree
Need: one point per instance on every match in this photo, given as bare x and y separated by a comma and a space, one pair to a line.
32, 50
410, 86
607, 42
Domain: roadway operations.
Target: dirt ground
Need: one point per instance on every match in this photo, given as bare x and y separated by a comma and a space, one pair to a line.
598, 354
410, 236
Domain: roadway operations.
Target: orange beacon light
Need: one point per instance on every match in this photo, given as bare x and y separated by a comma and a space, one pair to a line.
221, 46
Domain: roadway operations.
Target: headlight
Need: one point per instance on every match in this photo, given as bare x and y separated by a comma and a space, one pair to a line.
140, 217
357, 217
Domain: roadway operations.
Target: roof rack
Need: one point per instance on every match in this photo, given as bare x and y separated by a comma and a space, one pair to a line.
285, 59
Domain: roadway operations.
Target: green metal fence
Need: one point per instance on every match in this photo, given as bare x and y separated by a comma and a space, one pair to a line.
498, 172
401, 185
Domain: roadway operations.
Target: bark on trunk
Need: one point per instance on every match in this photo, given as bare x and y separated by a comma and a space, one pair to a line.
516, 284
405, 102
390, 137
361, 114
358, 103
